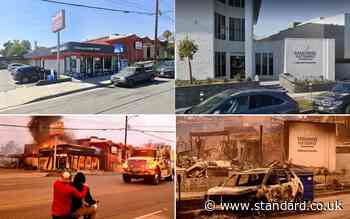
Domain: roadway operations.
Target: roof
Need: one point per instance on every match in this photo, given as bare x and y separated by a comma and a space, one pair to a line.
43, 51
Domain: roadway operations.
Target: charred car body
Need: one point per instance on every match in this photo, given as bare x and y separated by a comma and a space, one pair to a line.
148, 164
273, 185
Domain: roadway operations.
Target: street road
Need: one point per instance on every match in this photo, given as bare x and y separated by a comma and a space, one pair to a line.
157, 97
29, 197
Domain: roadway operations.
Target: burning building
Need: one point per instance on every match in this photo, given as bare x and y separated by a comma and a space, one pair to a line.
55, 148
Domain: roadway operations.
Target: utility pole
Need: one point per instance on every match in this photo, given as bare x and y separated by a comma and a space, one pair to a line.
261, 157
125, 138
156, 32
55, 152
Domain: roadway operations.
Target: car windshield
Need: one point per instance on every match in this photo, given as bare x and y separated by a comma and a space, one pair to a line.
244, 179
127, 71
341, 88
144, 153
208, 104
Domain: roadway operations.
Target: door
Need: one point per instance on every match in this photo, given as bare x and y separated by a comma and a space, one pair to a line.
237, 66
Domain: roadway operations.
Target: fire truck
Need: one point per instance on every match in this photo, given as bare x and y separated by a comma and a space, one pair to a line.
150, 164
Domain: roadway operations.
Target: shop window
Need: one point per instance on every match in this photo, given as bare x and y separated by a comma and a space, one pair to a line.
98, 64
73, 64
83, 64
270, 64
108, 63
220, 27
236, 3
264, 64
220, 64
67, 64
236, 29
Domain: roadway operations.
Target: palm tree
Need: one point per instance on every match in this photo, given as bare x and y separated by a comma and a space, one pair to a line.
187, 48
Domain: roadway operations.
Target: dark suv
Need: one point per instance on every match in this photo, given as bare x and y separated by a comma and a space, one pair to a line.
251, 101
132, 75
335, 101
29, 74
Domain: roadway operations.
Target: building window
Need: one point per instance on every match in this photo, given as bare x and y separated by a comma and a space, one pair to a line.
236, 29
108, 63
270, 57
220, 64
220, 27
236, 3
83, 64
264, 64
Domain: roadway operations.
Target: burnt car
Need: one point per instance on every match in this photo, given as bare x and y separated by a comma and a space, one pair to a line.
149, 164
132, 75
259, 185
335, 101
249, 101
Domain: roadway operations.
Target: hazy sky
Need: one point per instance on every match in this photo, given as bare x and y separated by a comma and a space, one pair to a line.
146, 122
31, 19
275, 15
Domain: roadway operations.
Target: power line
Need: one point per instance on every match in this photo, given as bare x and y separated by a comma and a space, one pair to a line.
155, 136
101, 8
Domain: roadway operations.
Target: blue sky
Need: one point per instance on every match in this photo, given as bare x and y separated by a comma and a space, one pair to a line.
31, 20
275, 15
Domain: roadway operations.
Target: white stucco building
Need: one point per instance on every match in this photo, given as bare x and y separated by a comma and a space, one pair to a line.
223, 31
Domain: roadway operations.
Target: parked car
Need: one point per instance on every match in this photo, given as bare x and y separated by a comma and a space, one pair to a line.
149, 164
272, 184
12, 67
250, 101
28, 74
335, 101
132, 75
166, 69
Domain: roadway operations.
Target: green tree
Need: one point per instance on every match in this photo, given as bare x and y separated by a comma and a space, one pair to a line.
186, 49
168, 36
16, 48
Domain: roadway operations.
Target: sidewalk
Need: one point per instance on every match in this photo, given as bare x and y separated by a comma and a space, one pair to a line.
24, 95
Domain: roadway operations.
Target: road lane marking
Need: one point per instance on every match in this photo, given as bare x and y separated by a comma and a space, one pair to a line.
148, 215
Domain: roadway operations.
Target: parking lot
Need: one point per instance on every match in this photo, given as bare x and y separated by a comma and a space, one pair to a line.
7, 83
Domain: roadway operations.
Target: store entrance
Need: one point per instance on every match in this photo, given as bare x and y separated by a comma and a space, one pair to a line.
237, 66
89, 65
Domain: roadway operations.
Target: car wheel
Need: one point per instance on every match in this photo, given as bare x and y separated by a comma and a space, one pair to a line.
347, 109
126, 178
156, 178
152, 78
170, 178
131, 83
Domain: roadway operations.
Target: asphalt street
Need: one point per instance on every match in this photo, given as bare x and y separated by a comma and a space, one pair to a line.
156, 97
30, 198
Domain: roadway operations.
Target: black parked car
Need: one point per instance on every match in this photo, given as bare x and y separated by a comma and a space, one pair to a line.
132, 75
250, 101
30, 74
335, 101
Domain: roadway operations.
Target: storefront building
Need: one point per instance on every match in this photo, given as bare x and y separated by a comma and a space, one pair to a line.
96, 57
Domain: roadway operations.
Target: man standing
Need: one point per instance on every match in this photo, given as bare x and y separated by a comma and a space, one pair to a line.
63, 192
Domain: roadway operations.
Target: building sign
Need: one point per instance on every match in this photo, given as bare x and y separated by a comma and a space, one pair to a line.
307, 144
59, 21
138, 45
84, 47
119, 48
305, 56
